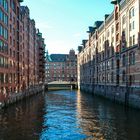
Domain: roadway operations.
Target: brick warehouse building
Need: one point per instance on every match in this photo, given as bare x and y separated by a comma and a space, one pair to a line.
61, 67
109, 61
19, 50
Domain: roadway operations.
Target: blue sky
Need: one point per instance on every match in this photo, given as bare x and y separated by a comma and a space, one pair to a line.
64, 22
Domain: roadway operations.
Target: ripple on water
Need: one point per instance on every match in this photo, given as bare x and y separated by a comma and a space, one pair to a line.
68, 115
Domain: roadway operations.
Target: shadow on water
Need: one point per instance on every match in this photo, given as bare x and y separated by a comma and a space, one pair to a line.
68, 115
22, 121
101, 118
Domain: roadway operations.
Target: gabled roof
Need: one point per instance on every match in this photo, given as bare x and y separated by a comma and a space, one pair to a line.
58, 57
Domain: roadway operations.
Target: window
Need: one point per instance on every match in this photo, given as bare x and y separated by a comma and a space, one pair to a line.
112, 63
4, 4
103, 38
117, 37
133, 25
1, 15
132, 58
5, 48
10, 16
112, 29
112, 40
10, 28
13, 5
108, 52
1, 2
123, 76
117, 27
108, 64
108, 77
116, 16
131, 79
123, 20
108, 34
133, 39
1, 45
130, 27
3, 62
112, 77
130, 41
117, 79
1, 78
132, 12
5, 34
103, 77
123, 60
10, 40
1, 30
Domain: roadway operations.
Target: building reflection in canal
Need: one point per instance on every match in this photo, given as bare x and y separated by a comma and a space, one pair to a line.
102, 119
22, 121
61, 115
85, 113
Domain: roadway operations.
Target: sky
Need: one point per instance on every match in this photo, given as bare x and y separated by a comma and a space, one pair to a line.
64, 23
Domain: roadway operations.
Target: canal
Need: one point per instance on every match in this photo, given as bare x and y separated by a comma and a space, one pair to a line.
68, 115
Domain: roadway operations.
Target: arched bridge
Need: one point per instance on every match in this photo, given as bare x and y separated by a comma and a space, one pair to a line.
59, 85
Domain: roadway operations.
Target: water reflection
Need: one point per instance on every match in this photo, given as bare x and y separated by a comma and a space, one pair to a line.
22, 121
68, 115
60, 121
101, 119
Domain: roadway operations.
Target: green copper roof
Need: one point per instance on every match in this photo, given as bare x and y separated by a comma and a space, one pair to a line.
20, 0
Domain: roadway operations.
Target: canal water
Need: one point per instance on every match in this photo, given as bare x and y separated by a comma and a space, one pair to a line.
68, 115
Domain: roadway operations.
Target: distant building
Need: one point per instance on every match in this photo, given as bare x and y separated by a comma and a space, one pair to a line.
61, 67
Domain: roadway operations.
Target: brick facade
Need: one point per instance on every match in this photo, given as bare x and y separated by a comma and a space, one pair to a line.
61, 67
19, 55
109, 62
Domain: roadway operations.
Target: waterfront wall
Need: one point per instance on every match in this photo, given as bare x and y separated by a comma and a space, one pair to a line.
128, 96
15, 97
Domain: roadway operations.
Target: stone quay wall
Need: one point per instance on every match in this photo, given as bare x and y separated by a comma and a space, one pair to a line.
128, 96
13, 98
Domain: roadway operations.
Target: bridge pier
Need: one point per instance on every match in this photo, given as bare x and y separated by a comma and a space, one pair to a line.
72, 86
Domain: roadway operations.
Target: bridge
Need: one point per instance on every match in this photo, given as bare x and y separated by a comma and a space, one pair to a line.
60, 85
